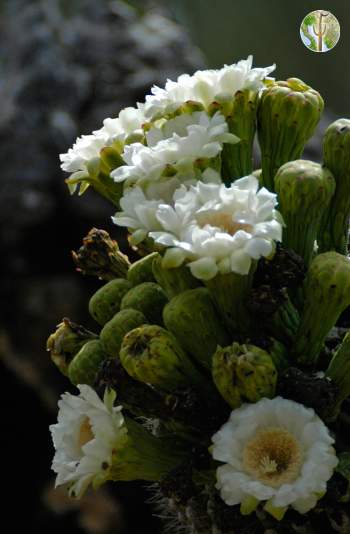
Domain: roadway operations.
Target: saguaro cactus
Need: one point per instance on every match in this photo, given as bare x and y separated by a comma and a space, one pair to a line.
321, 29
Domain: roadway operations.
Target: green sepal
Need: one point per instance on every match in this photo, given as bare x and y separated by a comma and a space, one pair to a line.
276, 511
249, 505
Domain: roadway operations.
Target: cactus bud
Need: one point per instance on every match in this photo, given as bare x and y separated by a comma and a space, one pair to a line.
229, 293
66, 341
243, 373
237, 159
105, 303
84, 367
141, 271
288, 114
278, 353
100, 256
193, 320
152, 355
148, 298
339, 371
326, 295
334, 232
304, 191
173, 280
113, 332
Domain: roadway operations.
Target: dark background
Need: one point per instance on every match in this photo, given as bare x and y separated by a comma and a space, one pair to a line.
64, 66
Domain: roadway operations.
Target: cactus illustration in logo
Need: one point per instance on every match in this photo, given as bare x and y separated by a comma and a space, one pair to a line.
320, 31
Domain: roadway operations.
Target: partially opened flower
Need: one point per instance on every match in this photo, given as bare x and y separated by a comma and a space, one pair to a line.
205, 86
220, 229
85, 436
276, 451
94, 443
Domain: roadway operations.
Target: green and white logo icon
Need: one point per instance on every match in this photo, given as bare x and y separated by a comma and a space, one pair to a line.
320, 31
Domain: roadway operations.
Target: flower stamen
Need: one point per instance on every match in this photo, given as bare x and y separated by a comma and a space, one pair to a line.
273, 456
85, 433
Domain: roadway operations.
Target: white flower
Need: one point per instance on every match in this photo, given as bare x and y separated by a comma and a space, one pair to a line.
87, 432
139, 214
205, 86
87, 147
218, 228
276, 451
174, 145
84, 149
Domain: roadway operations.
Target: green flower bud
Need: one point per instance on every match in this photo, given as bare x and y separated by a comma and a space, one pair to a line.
339, 371
237, 159
141, 271
304, 191
334, 232
229, 293
279, 354
105, 303
113, 332
288, 114
100, 256
243, 373
66, 341
326, 295
142, 456
148, 298
284, 323
173, 280
193, 320
152, 355
84, 367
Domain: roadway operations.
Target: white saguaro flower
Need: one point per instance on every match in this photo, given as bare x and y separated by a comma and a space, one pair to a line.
173, 148
205, 86
86, 436
87, 147
277, 451
220, 229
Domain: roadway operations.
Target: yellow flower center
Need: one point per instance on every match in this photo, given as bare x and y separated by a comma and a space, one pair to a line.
224, 222
85, 433
273, 456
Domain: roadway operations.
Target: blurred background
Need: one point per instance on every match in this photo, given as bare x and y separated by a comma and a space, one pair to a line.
64, 66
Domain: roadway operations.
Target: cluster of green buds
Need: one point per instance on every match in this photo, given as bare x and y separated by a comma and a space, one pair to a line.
185, 339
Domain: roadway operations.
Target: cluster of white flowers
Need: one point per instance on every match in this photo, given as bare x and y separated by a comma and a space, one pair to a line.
87, 432
205, 86
202, 86
217, 228
275, 450
173, 148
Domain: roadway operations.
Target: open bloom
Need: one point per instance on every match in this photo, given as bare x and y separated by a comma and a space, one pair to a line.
218, 228
205, 86
85, 436
277, 451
